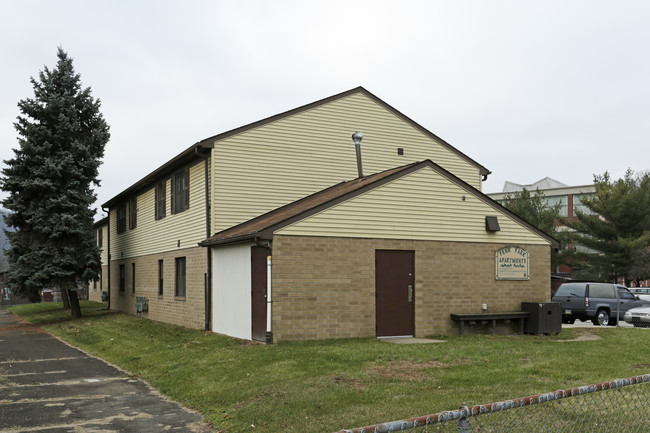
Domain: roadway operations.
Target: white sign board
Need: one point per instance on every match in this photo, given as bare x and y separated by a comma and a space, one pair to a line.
512, 264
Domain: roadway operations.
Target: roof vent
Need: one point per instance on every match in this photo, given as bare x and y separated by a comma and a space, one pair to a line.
356, 137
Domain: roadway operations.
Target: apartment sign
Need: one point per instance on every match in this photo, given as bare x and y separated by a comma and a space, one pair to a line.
512, 264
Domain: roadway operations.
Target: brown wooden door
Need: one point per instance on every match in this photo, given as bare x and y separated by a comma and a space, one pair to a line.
258, 292
395, 292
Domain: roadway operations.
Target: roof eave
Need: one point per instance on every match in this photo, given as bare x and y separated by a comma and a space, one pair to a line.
196, 151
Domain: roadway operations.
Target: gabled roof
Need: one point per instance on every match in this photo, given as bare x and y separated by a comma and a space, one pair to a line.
197, 149
263, 226
484, 171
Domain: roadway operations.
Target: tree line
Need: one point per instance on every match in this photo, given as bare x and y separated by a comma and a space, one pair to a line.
610, 241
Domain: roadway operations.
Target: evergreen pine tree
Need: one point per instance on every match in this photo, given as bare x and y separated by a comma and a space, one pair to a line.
616, 231
534, 209
49, 181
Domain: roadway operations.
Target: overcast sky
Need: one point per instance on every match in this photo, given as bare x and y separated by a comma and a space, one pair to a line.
527, 89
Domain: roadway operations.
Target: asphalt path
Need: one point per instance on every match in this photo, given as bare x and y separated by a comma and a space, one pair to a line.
47, 386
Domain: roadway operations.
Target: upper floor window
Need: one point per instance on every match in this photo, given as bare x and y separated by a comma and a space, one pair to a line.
161, 200
121, 218
100, 237
181, 191
133, 213
561, 200
578, 206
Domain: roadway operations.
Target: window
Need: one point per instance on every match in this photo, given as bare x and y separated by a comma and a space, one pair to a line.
181, 191
599, 290
624, 294
180, 277
133, 213
133, 278
122, 278
161, 200
121, 218
100, 237
578, 206
562, 200
160, 278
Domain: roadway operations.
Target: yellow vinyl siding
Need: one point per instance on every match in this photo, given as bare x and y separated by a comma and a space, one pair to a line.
104, 248
261, 169
151, 236
423, 205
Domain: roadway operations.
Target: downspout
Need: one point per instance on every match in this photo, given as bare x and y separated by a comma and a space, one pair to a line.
108, 256
208, 277
269, 330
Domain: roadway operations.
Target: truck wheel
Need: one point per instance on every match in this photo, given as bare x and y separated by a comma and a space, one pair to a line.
601, 318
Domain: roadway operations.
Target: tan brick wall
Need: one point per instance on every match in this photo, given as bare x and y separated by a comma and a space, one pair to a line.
95, 288
188, 311
324, 287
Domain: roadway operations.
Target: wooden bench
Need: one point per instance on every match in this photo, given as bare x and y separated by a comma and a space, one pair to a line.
490, 317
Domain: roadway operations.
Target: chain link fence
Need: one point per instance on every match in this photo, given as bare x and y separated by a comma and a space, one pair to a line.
617, 406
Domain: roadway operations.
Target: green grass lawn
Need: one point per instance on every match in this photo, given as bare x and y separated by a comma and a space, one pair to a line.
323, 386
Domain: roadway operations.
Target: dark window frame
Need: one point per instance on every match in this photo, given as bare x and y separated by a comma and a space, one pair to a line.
133, 213
121, 218
160, 206
180, 281
180, 191
133, 278
161, 277
100, 237
122, 279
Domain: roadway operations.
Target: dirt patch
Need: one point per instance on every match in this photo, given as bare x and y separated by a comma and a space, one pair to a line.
406, 370
647, 366
584, 336
21, 327
352, 383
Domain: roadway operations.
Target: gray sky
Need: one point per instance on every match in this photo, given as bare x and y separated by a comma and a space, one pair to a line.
527, 89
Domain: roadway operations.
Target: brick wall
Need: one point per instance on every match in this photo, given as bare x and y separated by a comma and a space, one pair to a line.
188, 311
324, 287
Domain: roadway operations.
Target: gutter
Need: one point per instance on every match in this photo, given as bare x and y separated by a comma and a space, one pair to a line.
208, 276
108, 254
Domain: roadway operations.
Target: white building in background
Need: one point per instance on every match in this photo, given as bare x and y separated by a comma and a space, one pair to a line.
569, 197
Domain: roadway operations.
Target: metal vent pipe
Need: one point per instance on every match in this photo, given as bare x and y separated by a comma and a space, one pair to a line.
356, 137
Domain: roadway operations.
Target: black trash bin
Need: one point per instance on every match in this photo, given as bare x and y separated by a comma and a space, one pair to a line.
544, 317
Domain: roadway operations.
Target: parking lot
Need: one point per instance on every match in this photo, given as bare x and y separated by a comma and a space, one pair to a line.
579, 324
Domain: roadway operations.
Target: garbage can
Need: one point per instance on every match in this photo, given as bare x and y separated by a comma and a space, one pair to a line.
544, 317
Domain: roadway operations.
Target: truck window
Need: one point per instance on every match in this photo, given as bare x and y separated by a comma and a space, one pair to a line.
571, 289
601, 291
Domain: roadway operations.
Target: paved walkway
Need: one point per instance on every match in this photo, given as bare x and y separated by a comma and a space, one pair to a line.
47, 386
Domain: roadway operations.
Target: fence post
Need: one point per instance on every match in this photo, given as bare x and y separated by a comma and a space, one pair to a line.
463, 423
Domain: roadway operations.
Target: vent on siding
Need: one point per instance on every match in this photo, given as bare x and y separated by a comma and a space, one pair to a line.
492, 224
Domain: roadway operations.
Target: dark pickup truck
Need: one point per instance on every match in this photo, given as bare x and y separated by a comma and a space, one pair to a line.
599, 302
